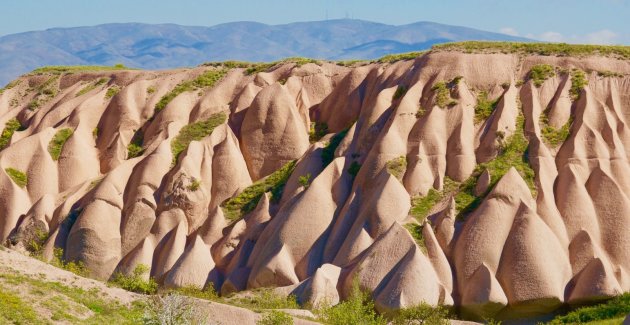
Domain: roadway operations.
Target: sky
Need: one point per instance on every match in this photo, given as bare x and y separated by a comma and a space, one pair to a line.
572, 21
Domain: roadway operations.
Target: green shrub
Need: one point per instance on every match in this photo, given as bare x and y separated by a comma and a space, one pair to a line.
328, 153
194, 185
171, 309
421, 111
276, 317
484, 107
151, 90
33, 105
135, 282
112, 91
77, 268
616, 308
247, 200
422, 314
36, 245
317, 131
56, 144
208, 293
195, 132
206, 80
357, 309
95, 133
10, 127
578, 82
18, 177
354, 168
541, 72
421, 206
400, 91
305, 180
553, 136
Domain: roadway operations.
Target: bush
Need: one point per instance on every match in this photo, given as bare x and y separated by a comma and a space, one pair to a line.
357, 309
354, 168
207, 294
422, 314
135, 282
484, 107
541, 72
205, 80
305, 180
578, 82
247, 200
275, 317
194, 185
151, 90
77, 268
317, 131
400, 91
195, 132
416, 232
617, 307
18, 177
56, 144
328, 153
171, 309
112, 91
443, 93
10, 127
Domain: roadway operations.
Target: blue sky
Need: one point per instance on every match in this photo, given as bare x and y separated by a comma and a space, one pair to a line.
576, 21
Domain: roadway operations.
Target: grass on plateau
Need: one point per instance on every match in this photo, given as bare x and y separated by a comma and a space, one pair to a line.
206, 80
545, 49
60, 69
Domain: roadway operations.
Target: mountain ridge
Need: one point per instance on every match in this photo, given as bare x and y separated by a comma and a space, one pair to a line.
160, 46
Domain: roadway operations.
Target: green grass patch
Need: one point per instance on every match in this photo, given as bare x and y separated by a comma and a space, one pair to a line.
484, 107
59, 69
305, 180
578, 82
397, 167
10, 127
416, 232
205, 80
265, 298
195, 132
545, 49
609, 74
135, 282
541, 72
552, 136
18, 177
275, 317
616, 308
77, 268
422, 314
104, 311
391, 58
57, 142
112, 91
247, 200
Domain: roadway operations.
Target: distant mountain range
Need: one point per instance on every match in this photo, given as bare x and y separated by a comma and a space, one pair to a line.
167, 45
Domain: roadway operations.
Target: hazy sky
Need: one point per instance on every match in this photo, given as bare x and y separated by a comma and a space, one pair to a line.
575, 21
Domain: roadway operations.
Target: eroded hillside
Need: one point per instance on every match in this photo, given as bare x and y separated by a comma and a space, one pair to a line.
496, 182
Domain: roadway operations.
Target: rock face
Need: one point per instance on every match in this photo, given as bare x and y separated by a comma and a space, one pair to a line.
544, 220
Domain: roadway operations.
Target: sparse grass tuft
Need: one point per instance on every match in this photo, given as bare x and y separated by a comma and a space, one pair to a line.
135, 282
422, 314
10, 127
151, 90
609, 74
78, 267
194, 185
195, 132
57, 142
265, 298
205, 80
247, 200
112, 91
443, 93
275, 317
92, 86
541, 72
400, 91
18, 177
397, 167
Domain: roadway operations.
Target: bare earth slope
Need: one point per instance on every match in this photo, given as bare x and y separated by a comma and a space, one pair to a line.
452, 178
